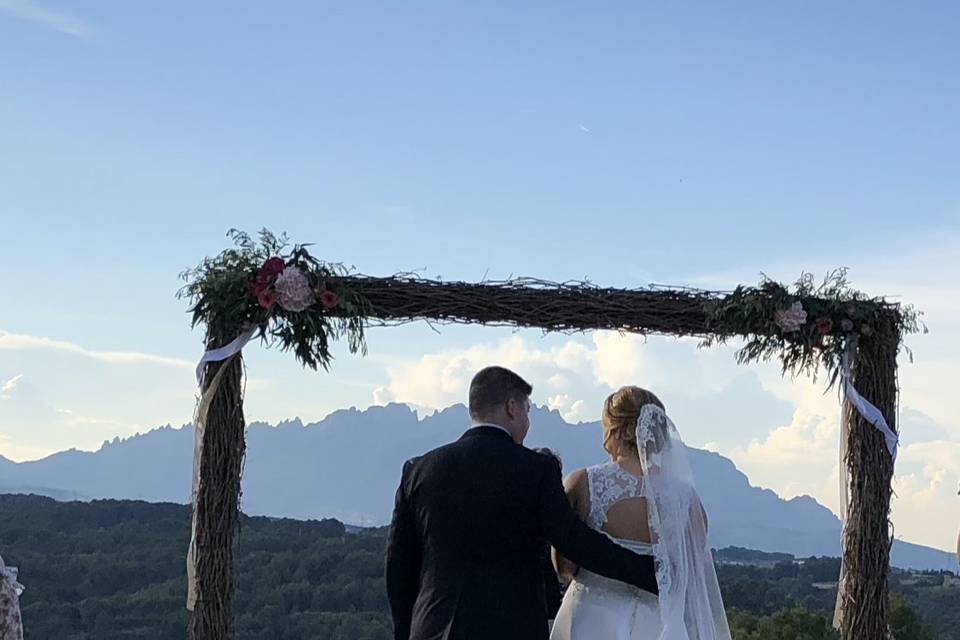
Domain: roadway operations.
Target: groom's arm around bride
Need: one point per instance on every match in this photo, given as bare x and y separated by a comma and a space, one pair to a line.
594, 551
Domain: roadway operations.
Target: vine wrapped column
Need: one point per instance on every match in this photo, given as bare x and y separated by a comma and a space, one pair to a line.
217, 502
866, 547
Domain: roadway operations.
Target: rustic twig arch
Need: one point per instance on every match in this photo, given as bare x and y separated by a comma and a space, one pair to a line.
288, 297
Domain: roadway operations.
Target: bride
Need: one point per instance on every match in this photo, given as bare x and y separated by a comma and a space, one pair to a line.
645, 500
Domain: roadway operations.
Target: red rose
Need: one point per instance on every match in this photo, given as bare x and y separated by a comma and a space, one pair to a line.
274, 266
267, 298
264, 278
260, 285
824, 326
329, 299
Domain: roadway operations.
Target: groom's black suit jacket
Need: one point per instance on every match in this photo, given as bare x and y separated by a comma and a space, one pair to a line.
469, 525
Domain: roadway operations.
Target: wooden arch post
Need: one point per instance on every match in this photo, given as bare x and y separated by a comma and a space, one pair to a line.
217, 502
869, 464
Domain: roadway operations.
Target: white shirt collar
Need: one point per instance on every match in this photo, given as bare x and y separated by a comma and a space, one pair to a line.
495, 426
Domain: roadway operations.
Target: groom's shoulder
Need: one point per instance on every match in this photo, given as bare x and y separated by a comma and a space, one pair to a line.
486, 447
431, 456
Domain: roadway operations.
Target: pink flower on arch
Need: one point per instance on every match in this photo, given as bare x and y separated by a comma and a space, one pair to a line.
267, 298
273, 266
329, 299
294, 290
824, 326
262, 286
790, 319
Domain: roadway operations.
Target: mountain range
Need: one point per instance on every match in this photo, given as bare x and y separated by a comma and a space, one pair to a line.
347, 467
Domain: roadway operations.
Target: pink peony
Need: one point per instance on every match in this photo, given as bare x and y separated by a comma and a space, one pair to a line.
294, 290
791, 319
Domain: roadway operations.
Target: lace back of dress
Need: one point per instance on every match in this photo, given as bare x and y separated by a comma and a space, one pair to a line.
609, 484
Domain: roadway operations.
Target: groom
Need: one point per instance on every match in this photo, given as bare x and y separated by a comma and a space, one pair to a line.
470, 522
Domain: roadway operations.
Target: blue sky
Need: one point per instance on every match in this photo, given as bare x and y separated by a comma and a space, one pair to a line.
624, 142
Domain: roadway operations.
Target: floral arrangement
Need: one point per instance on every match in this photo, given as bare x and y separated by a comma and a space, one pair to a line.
808, 325
296, 300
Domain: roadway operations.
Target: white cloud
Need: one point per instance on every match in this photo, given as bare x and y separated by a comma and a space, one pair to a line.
255, 385
571, 409
578, 371
32, 12
618, 359
67, 396
801, 457
17, 452
33, 427
926, 507
10, 386
558, 381
810, 436
440, 379
23, 342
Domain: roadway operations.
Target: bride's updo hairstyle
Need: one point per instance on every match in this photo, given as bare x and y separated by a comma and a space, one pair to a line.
621, 410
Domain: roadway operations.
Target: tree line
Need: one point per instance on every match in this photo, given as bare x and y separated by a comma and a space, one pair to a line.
115, 569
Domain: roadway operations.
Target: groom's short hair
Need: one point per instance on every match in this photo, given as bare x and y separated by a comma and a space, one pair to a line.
491, 387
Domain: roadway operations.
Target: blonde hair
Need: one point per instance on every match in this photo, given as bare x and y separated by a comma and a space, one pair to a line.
621, 410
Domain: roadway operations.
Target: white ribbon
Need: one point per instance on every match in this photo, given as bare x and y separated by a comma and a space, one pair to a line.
866, 409
216, 355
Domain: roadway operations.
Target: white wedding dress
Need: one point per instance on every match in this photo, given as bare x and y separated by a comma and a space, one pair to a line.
599, 608
689, 605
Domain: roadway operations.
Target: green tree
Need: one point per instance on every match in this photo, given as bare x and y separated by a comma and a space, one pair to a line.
905, 624
787, 624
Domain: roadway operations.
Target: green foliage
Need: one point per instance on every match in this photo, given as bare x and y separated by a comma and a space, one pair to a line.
836, 316
905, 624
223, 292
797, 623
787, 624
115, 569
782, 599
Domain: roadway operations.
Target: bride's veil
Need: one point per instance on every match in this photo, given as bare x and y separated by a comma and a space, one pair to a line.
690, 604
